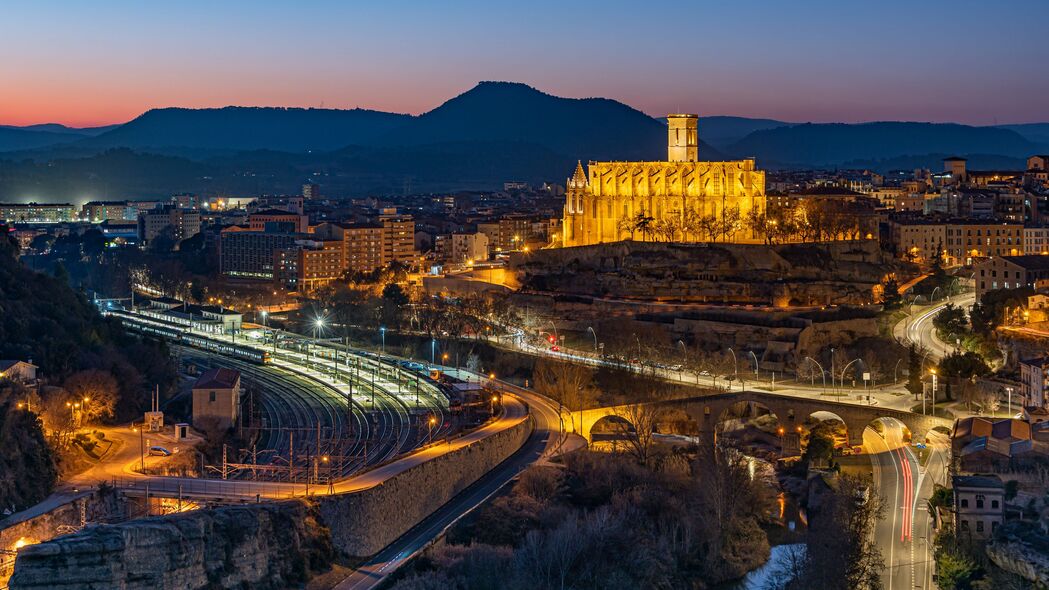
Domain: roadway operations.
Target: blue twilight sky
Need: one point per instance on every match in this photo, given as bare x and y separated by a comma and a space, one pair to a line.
87, 62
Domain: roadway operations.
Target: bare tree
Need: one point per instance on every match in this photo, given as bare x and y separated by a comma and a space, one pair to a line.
635, 424
96, 393
570, 384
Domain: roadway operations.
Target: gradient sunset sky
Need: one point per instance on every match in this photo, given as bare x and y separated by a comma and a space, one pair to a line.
99, 62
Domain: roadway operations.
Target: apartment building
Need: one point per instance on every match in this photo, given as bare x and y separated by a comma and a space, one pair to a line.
183, 223
309, 264
1036, 240
398, 238
250, 254
1034, 379
37, 212
99, 211
961, 242
299, 223
979, 505
1011, 272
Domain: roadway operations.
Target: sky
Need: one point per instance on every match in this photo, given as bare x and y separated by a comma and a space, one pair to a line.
95, 62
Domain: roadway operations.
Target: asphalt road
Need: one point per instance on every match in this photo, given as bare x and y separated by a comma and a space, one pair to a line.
917, 328
904, 534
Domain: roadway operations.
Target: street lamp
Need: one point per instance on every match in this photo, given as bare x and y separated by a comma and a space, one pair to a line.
382, 330
933, 372
735, 366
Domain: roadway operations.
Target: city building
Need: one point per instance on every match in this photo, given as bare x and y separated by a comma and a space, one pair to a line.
311, 191
216, 399
99, 211
1011, 272
37, 212
1036, 240
298, 222
362, 243
469, 247
962, 241
987, 444
602, 202
398, 237
309, 264
1034, 382
213, 319
250, 254
979, 505
182, 223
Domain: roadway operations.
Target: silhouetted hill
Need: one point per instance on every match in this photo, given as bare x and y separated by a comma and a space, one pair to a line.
578, 128
722, 131
1034, 132
17, 138
59, 128
836, 143
247, 128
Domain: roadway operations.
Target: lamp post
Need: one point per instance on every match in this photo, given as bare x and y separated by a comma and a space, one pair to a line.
735, 366
1009, 391
822, 372
846, 368
382, 330
755, 357
933, 372
433, 351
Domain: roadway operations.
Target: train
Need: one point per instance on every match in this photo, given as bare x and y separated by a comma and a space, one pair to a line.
178, 335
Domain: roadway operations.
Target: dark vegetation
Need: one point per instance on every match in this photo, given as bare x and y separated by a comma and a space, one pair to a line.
80, 355
603, 521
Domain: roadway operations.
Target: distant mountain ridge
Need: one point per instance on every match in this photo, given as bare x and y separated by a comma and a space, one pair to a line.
833, 144
250, 128
493, 132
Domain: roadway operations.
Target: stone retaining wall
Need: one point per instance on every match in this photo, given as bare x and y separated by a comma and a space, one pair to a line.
365, 522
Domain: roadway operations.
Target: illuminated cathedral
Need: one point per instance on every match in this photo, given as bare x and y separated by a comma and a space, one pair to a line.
667, 201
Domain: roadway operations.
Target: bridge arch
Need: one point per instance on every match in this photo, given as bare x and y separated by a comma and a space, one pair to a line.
611, 428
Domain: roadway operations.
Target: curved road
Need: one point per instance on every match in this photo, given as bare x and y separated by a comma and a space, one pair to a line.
918, 329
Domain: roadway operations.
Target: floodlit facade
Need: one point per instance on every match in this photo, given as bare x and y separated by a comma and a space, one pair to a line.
602, 201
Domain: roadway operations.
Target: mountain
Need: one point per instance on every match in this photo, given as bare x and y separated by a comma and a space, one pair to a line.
722, 131
18, 138
249, 128
576, 128
1034, 132
59, 128
833, 144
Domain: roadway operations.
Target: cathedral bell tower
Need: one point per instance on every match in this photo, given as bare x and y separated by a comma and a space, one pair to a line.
683, 138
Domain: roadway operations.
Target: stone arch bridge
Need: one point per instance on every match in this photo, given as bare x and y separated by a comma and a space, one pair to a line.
790, 413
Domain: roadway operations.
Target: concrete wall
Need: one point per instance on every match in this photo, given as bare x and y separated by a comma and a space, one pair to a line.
263, 546
365, 522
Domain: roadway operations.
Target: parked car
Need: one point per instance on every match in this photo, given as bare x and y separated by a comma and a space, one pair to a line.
159, 452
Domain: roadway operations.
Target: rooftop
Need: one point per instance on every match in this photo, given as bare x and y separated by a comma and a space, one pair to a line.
977, 481
1029, 261
219, 378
